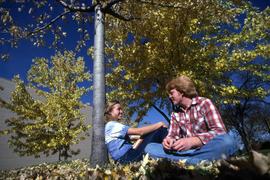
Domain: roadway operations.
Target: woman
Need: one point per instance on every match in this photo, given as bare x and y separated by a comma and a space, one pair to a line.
117, 135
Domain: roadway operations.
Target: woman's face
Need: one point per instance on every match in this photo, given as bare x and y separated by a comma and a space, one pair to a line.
116, 112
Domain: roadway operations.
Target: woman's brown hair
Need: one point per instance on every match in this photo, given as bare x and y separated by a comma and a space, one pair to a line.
108, 109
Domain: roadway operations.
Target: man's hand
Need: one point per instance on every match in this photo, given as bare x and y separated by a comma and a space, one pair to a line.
168, 143
186, 143
182, 144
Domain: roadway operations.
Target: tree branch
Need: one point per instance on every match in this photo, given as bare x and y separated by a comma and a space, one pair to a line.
48, 24
113, 2
119, 16
262, 101
38, 29
73, 8
109, 10
163, 5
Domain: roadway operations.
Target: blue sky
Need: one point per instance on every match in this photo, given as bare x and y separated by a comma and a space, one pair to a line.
21, 58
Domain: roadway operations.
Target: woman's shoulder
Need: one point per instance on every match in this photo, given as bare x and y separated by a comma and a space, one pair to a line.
114, 126
113, 123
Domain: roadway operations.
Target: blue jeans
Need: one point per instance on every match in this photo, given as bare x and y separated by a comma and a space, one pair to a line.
137, 154
219, 147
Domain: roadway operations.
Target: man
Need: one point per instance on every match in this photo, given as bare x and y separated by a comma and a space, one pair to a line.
196, 131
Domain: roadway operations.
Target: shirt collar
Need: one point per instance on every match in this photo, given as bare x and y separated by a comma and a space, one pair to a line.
194, 100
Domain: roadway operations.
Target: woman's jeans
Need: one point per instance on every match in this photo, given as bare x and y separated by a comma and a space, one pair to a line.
137, 154
220, 147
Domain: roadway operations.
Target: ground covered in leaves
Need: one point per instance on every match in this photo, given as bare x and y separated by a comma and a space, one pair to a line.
235, 168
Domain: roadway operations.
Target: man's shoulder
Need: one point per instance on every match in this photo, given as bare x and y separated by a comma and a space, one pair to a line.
200, 100
203, 102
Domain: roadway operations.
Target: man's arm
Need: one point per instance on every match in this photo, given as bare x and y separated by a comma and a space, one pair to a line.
213, 120
174, 126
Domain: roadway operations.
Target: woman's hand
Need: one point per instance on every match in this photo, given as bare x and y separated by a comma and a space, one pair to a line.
134, 137
162, 124
137, 143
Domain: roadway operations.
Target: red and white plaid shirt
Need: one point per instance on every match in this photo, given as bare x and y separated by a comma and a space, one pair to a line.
201, 120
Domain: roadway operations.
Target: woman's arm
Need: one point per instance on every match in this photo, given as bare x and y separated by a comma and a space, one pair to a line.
146, 129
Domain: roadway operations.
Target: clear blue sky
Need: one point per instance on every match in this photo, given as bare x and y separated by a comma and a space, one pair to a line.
21, 58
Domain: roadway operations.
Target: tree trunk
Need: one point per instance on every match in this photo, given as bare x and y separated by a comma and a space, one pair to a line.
242, 131
99, 152
245, 140
267, 124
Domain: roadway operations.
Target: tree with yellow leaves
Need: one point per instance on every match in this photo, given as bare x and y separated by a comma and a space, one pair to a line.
53, 122
207, 40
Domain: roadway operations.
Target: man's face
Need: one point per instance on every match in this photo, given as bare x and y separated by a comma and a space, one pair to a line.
175, 96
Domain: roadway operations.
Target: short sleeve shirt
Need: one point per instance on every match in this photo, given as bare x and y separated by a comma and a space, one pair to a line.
116, 139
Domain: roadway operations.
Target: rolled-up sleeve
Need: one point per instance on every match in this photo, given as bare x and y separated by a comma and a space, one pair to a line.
173, 127
213, 121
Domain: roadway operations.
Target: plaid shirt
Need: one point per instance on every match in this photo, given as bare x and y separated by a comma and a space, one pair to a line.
201, 120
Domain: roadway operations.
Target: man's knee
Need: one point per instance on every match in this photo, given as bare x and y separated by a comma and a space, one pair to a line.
228, 141
228, 145
148, 147
154, 149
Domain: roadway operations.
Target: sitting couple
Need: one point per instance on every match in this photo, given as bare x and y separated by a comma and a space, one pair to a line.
196, 130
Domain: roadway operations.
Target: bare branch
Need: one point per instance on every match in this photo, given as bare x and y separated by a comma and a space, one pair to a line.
263, 101
38, 29
2, 103
73, 8
48, 24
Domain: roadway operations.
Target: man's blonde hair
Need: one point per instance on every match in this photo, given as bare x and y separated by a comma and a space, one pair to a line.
184, 85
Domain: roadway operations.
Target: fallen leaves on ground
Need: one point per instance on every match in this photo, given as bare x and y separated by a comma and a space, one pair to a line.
240, 167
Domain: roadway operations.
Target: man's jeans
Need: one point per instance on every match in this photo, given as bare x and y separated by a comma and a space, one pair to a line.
220, 147
137, 154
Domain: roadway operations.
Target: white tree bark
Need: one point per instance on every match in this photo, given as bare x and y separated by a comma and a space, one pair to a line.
99, 152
